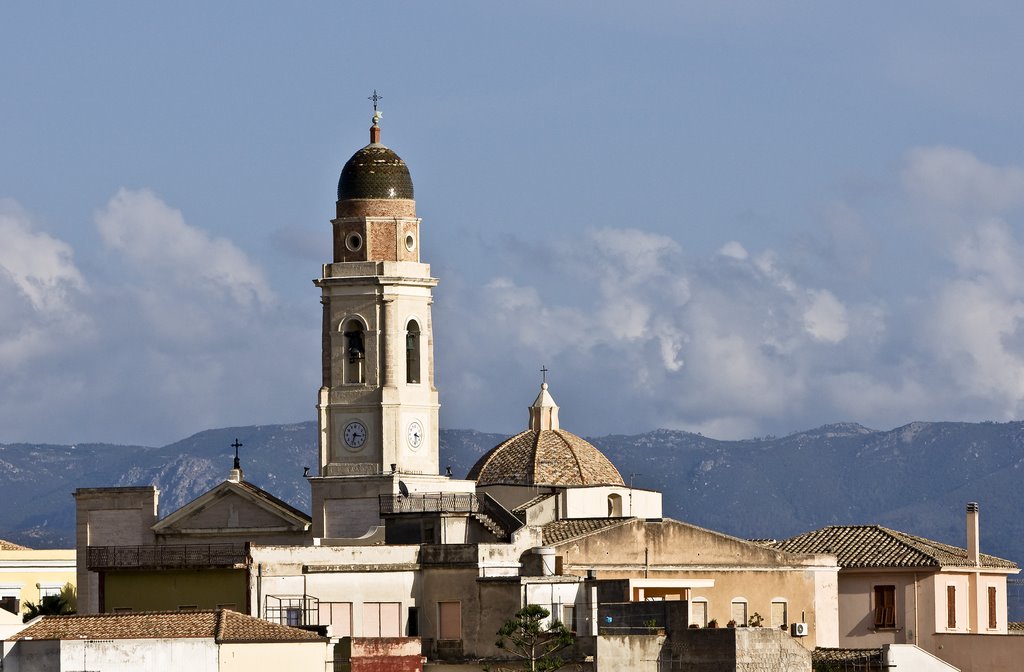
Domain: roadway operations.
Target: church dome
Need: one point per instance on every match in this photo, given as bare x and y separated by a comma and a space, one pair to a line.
545, 455
375, 172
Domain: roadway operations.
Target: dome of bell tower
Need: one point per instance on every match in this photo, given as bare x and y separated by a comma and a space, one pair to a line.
375, 172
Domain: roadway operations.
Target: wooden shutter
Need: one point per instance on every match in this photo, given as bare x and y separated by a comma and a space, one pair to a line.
950, 606
885, 606
450, 614
992, 607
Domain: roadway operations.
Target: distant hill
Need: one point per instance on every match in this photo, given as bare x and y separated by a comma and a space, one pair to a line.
915, 478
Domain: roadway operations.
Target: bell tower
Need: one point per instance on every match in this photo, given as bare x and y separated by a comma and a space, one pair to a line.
377, 405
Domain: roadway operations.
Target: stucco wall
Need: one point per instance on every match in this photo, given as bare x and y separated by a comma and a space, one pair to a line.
171, 589
298, 656
981, 653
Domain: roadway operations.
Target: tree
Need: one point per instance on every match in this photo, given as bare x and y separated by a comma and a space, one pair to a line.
62, 604
526, 637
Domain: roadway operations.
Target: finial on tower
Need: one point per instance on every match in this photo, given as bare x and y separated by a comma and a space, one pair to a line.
236, 469
375, 129
544, 411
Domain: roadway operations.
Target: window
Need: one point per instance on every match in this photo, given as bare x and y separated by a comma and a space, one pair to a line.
355, 352
885, 606
337, 615
614, 506
413, 622
950, 606
992, 623
449, 616
382, 619
779, 614
569, 616
699, 613
10, 598
739, 612
49, 590
412, 352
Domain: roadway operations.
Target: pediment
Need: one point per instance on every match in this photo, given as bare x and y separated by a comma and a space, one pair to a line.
234, 508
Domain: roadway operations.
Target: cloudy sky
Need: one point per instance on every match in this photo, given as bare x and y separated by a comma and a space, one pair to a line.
733, 218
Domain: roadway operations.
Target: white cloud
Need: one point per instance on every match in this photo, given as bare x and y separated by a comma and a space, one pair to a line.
156, 239
825, 317
951, 177
40, 266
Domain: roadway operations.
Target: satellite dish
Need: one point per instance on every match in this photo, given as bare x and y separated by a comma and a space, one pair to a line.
403, 488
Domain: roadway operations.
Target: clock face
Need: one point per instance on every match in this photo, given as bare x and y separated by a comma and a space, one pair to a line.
355, 434
415, 434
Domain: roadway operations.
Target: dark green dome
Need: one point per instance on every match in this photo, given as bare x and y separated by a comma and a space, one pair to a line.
375, 172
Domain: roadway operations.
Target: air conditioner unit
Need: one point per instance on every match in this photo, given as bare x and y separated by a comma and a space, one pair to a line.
799, 629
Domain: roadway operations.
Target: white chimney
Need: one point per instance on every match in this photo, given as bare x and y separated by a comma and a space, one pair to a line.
973, 553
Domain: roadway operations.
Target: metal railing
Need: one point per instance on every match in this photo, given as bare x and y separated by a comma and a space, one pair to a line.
430, 502
152, 557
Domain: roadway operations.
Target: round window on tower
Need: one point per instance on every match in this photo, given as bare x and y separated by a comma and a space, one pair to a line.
410, 242
354, 242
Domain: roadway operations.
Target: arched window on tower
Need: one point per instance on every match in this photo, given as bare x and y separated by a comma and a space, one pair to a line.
412, 352
355, 352
615, 506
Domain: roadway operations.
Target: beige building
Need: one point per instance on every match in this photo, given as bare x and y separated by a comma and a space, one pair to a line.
29, 575
897, 588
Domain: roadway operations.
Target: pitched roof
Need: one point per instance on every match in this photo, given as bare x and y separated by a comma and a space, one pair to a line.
222, 625
877, 546
561, 531
530, 503
11, 546
294, 518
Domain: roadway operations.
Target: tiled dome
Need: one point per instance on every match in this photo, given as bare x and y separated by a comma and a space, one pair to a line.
545, 455
375, 172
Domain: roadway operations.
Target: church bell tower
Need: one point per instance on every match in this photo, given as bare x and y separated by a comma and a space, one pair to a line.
377, 406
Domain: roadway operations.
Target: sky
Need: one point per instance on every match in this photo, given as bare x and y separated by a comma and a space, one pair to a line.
734, 218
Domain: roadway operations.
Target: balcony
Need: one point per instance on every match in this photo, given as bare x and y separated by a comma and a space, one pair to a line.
194, 556
431, 502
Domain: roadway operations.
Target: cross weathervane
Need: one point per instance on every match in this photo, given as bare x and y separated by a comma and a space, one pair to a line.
236, 445
544, 373
375, 97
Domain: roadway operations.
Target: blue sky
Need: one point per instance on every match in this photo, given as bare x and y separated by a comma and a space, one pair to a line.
734, 218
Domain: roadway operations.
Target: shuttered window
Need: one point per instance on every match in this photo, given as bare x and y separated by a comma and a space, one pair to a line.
992, 624
450, 615
779, 616
885, 606
950, 606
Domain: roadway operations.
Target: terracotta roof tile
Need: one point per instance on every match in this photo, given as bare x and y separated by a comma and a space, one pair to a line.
827, 655
561, 531
877, 546
522, 508
11, 546
545, 457
223, 625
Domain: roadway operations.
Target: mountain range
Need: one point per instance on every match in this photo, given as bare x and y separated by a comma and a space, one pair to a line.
916, 478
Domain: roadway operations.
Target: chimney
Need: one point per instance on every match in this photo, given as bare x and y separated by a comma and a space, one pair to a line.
973, 553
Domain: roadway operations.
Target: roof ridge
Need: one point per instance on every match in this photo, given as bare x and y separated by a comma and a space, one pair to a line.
218, 627
575, 457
